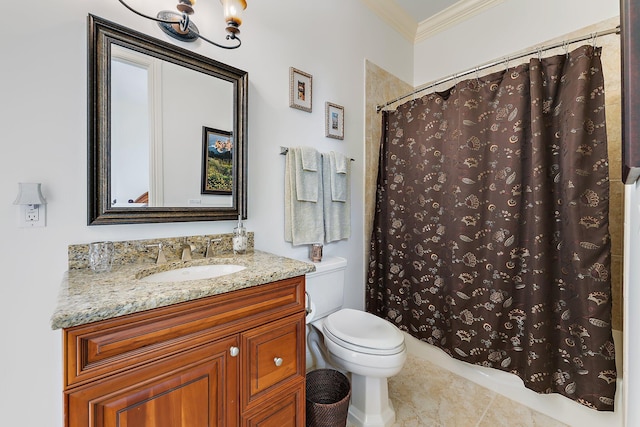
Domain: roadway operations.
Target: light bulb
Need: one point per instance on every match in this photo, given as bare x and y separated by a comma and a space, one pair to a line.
232, 10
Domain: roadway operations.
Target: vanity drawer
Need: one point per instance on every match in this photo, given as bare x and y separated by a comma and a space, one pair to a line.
106, 347
287, 409
273, 356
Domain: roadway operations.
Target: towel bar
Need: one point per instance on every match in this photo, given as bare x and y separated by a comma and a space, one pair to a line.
284, 150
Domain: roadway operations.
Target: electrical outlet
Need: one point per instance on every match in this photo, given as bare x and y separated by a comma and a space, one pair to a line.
32, 213
32, 216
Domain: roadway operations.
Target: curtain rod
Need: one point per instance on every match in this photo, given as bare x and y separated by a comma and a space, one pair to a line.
504, 60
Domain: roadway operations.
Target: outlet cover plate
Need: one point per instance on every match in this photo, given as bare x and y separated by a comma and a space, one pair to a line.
32, 216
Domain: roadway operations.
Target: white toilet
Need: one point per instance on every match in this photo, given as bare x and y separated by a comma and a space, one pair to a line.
369, 349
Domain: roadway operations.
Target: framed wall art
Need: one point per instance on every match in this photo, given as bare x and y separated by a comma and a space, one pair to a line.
300, 89
334, 121
217, 161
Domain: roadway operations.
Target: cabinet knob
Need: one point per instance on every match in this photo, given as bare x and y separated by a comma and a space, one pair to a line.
277, 361
234, 351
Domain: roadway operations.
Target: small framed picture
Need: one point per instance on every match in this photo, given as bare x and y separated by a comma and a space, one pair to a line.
300, 90
334, 121
217, 161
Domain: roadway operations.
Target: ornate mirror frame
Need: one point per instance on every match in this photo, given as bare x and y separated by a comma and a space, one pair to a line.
102, 34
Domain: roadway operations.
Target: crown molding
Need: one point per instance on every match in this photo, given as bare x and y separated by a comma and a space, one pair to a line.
453, 15
402, 22
395, 16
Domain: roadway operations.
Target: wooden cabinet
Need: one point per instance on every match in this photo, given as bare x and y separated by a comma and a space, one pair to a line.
235, 359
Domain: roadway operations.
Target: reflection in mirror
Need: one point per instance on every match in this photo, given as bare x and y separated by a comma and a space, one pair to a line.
152, 107
141, 141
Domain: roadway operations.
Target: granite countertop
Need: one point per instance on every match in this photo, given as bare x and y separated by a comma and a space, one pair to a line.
86, 296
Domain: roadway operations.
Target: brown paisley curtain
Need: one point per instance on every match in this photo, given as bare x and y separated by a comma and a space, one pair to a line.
490, 235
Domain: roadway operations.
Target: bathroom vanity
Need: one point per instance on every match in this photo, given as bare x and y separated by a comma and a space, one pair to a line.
224, 351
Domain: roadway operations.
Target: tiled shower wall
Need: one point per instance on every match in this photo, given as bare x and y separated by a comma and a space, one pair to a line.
382, 86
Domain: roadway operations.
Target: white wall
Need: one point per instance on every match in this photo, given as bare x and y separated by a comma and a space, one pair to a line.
43, 138
631, 370
509, 27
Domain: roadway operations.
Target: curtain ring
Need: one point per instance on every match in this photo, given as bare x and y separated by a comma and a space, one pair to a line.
594, 36
506, 63
539, 53
565, 46
477, 75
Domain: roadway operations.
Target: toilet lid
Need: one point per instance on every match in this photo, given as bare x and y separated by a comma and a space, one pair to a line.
362, 331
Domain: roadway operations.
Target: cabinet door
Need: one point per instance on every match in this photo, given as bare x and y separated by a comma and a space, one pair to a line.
196, 388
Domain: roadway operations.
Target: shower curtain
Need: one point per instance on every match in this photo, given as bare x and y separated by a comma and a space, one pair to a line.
490, 236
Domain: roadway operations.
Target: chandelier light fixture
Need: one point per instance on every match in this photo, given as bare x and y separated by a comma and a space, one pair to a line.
179, 26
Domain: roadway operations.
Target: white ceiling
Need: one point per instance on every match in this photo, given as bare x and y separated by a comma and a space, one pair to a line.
418, 20
422, 10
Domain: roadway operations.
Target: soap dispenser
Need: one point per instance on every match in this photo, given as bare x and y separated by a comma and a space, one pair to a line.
239, 238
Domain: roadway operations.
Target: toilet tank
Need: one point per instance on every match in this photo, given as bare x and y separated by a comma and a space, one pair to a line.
325, 287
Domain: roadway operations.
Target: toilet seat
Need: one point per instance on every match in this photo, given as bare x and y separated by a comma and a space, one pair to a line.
363, 332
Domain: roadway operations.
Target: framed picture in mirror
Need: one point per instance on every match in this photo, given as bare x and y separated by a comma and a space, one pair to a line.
217, 161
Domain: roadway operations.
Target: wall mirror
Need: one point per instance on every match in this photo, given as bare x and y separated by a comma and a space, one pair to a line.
166, 132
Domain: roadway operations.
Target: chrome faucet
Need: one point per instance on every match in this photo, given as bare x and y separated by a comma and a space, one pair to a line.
186, 250
209, 251
161, 257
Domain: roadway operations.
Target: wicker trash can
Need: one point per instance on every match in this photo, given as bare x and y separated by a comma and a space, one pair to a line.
328, 393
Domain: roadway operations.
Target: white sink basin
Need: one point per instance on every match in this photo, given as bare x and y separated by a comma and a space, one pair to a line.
196, 272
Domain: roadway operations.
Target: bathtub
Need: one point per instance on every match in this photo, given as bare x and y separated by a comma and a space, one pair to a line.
511, 386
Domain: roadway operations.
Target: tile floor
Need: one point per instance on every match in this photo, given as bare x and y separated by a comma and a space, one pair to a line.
425, 395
